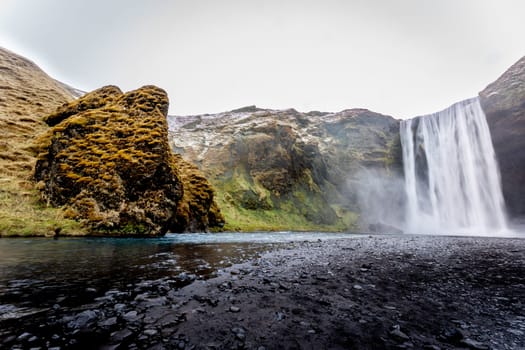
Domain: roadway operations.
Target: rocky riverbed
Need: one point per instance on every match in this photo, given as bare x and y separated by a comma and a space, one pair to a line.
371, 292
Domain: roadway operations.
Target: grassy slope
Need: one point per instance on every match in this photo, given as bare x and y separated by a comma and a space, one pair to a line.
26, 95
279, 214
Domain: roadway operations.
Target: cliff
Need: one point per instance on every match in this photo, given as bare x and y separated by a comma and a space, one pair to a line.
287, 170
503, 102
107, 161
27, 94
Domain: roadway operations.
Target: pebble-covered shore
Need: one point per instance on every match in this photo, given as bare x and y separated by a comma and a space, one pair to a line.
373, 292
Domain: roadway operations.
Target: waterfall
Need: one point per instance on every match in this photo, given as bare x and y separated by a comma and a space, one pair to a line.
452, 180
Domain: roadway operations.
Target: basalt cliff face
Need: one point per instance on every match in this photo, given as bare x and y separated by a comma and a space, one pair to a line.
504, 105
286, 170
107, 160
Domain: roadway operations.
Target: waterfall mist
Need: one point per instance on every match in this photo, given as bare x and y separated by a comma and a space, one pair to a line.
380, 197
452, 182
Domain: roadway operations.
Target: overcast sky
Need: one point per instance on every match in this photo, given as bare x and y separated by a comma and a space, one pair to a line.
398, 57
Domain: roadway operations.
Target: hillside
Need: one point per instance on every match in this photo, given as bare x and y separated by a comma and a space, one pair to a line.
102, 161
27, 94
287, 170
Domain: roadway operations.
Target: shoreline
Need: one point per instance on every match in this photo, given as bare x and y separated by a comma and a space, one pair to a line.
432, 292
371, 292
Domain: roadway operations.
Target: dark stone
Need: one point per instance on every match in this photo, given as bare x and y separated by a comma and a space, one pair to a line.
84, 319
110, 322
397, 334
234, 309
122, 335
503, 102
131, 316
474, 345
452, 336
24, 337
206, 300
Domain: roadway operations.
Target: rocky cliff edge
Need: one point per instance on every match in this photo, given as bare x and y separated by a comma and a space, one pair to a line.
288, 170
503, 102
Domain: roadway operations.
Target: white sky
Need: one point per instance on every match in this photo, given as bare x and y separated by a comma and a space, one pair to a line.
398, 57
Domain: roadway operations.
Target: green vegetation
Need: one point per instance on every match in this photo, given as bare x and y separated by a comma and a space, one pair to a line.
304, 209
27, 95
108, 161
23, 214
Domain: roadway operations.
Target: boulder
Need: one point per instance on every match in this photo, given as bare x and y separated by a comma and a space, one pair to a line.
107, 160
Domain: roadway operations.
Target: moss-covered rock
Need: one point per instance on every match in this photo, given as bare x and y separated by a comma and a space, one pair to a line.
108, 161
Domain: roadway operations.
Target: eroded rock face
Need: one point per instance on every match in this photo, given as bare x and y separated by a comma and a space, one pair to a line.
504, 105
283, 169
107, 159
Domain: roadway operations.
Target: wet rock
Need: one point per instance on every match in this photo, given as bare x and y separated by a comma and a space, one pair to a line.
9, 339
322, 278
398, 335
186, 277
122, 335
452, 336
150, 332
110, 322
119, 307
431, 347
84, 319
279, 316
473, 344
240, 333
234, 309
283, 286
206, 300
130, 316
24, 336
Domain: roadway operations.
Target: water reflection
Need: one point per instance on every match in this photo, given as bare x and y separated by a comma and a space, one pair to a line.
40, 272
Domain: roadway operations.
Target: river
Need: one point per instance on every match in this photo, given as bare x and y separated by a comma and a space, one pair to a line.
40, 273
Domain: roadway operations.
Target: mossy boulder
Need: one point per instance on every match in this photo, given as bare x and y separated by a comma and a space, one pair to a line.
107, 160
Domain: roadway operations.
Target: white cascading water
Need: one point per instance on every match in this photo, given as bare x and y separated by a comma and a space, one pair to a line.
452, 180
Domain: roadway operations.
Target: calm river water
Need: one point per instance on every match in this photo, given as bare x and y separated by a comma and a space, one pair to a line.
39, 273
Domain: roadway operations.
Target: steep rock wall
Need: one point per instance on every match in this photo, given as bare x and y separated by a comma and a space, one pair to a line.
503, 102
285, 170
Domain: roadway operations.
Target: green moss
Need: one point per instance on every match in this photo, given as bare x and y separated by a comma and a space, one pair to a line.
107, 159
248, 206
